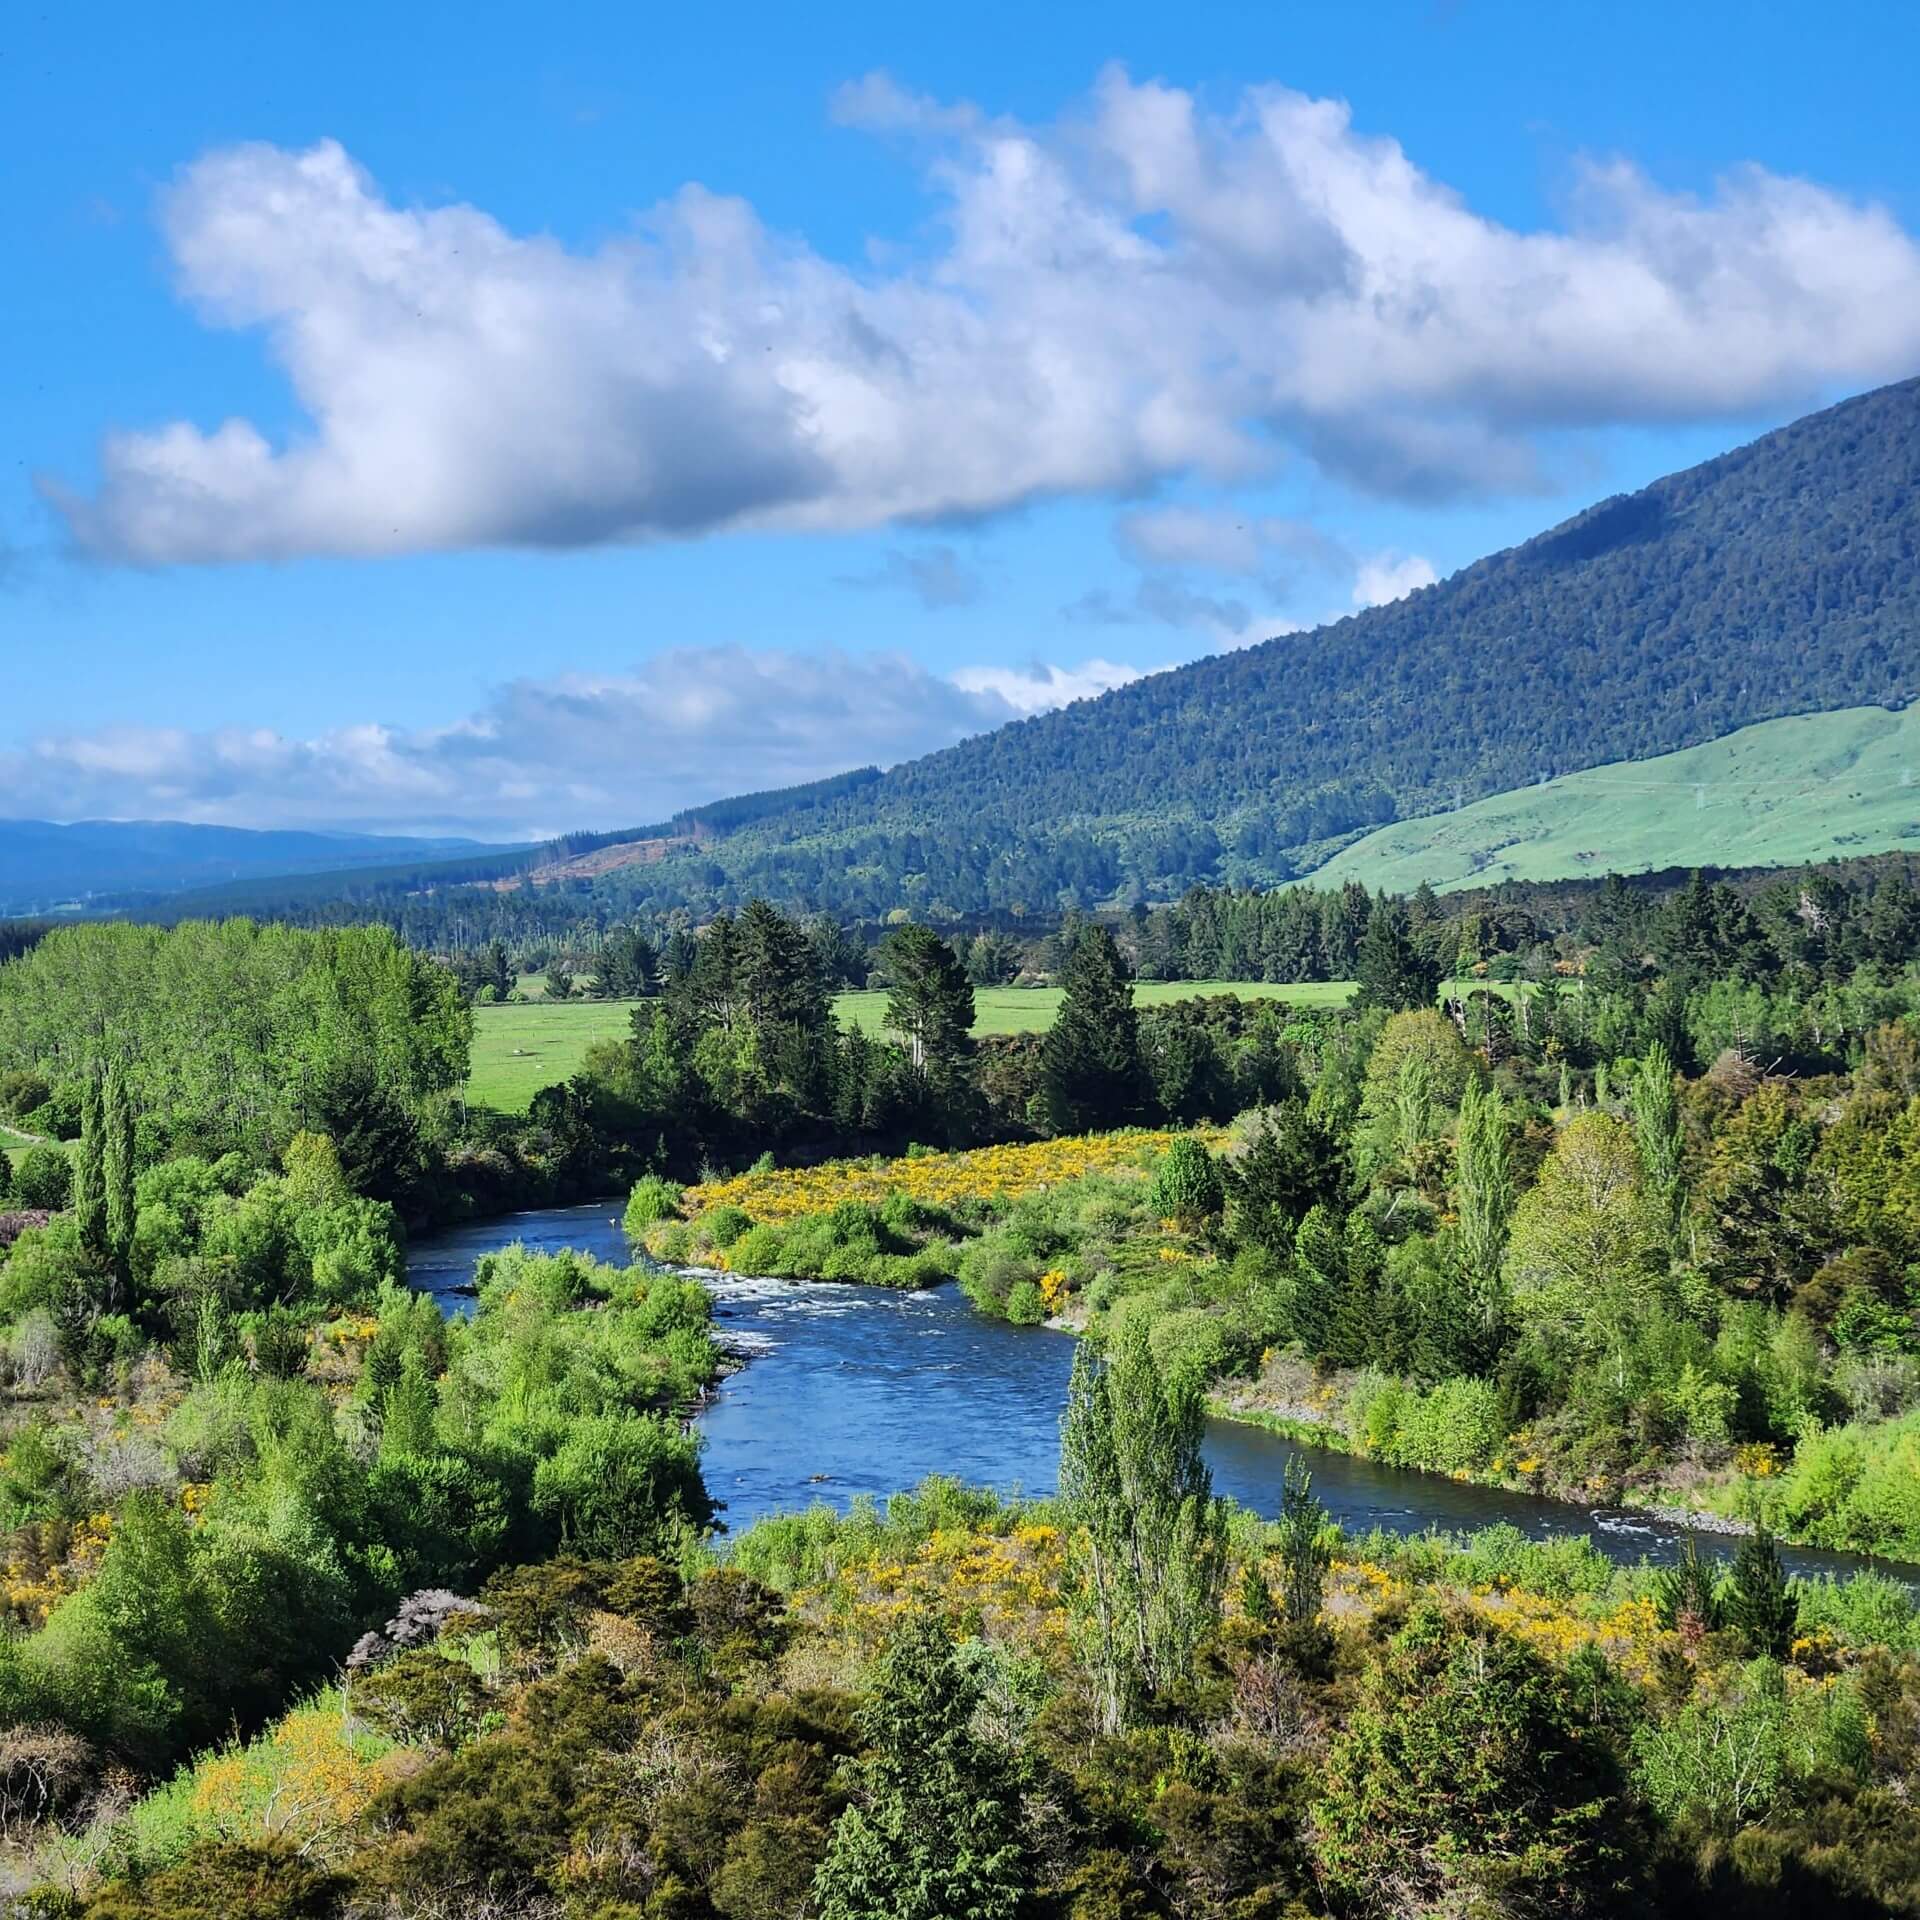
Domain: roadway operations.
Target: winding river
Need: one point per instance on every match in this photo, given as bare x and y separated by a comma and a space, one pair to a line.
851, 1390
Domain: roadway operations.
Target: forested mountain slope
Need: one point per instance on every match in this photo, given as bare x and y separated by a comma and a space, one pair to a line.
1778, 580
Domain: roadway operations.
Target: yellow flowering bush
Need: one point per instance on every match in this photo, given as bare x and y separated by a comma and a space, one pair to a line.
947, 1180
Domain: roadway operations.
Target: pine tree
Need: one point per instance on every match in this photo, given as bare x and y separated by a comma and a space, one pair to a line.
1293, 1163
1762, 1605
930, 1006
1687, 1595
934, 1830
495, 971
1300, 1539
1319, 1282
90, 1175
1394, 970
1090, 1070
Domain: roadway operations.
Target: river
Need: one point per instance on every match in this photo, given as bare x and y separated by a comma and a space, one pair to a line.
850, 1390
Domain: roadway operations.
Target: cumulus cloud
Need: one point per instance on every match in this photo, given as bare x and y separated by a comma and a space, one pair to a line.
543, 756
1144, 290
1384, 577
935, 576
1166, 601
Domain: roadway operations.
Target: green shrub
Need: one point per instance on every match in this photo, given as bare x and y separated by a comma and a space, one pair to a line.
724, 1225
1186, 1186
651, 1200
1025, 1307
42, 1179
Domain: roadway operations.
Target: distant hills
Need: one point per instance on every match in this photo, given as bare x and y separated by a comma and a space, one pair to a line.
50, 868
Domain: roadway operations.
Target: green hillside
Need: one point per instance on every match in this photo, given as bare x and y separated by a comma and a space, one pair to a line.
1819, 786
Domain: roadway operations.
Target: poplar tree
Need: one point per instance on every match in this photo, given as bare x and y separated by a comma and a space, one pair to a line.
1483, 1179
117, 1169
1655, 1107
90, 1175
1149, 1538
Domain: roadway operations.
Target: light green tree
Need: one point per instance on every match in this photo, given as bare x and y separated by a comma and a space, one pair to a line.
1149, 1540
1587, 1251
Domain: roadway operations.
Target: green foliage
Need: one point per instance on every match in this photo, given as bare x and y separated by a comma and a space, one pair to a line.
1149, 1537
935, 1828
229, 1034
43, 1178
1761, 1605
1186, 1184
1435, 1793
1090, 1068
652, 1199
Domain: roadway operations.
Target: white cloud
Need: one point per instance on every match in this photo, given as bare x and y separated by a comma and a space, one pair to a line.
543, 756
1384, 577
1144, 290
1037, 689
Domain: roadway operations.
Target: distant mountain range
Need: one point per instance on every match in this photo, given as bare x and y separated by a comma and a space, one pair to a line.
1779, 580
50, 868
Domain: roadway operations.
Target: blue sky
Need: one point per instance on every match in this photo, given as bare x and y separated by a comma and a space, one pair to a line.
513, 419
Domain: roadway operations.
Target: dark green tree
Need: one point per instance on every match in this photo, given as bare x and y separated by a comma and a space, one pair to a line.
1761, 1604
1394, 969
628, 967
1469, 1779
1090, 1073
934, 1831
1301, 1543
930, 1006
1293, 1163
90, 1174
1687, 1595
495, 969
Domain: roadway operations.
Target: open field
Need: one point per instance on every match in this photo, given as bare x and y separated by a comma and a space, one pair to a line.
1820, 786
517, 1050
1031, 1009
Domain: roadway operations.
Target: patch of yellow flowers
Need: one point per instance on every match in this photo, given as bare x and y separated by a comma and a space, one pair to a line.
306, 1780
938, 1179
999, 1586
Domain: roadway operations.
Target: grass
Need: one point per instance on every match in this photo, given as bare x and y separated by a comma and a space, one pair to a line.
517, 1050
1819, 786
1031, 1009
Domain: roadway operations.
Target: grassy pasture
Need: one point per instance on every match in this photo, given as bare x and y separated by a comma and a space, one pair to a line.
1818, 786
517, 1050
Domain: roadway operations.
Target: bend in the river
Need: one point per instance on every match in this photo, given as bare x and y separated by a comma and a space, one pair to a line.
854, 1389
